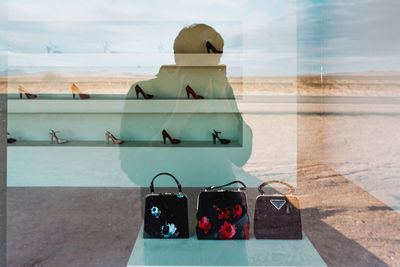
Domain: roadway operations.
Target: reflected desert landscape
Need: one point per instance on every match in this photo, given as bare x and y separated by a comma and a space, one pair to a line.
107, 82
347, 162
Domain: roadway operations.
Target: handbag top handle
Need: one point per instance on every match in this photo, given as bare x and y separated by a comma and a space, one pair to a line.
272, 182
221, 186
165, 173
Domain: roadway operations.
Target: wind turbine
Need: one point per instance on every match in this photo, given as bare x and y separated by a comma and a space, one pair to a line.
52, 49
107, 49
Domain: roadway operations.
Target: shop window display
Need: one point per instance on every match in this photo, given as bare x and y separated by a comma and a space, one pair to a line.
170, 133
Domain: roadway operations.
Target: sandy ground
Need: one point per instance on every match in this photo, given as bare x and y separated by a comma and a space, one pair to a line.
98, 226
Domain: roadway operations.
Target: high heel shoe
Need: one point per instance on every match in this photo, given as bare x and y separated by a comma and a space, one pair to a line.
209, 47
140, 90
221, 140
172, 140
59, 140
22, 90
113, 138
75, 90
190, 91
10, 140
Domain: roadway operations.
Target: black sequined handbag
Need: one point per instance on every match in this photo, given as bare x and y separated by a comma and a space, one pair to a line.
222, 214
277, 216
166, 214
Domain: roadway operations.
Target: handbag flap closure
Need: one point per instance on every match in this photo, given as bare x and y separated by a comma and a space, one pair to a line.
277, 203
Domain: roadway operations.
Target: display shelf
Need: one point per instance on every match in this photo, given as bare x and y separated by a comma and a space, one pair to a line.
104, 105
100, 60
88, 161
59, 96
150, 144
193, 252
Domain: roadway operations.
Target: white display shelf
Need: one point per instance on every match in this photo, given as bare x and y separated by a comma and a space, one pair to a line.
121, 106
150, 144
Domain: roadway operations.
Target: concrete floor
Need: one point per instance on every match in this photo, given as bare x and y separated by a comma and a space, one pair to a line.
98, 226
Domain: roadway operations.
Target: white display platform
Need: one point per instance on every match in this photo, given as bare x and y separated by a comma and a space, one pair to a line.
194, 252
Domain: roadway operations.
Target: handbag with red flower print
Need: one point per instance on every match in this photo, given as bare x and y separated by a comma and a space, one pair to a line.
222, 213
166, 214
277, 216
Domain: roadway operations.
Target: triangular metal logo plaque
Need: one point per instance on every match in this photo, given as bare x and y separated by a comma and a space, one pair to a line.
278, 203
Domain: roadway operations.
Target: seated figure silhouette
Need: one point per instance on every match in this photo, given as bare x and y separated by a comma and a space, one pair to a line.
195, 161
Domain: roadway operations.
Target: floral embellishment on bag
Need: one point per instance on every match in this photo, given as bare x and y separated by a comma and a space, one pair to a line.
169, 230
155, 211
223, 214
204, 224
237, 211
246, 231
227, 231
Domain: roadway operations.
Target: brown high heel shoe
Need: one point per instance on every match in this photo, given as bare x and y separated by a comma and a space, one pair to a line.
140, 90
172, 140
209, 47
190, 91
75, 90
22, 90
113, 138
221, 140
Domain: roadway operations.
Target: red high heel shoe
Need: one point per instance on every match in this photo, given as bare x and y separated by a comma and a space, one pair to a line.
221, 140
75, 90
140, 90
190, 91
22, 90
172, 140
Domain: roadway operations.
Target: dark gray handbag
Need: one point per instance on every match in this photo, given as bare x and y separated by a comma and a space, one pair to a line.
277, 216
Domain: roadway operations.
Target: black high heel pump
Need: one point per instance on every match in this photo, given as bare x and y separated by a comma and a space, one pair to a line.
22, 91
140, 90
209, 47
10, 140
190, 91
173, 141
221, 140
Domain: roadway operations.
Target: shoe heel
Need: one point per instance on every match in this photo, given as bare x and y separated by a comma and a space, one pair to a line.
20, 96
107, 139
214, 137
73, 95
164, 137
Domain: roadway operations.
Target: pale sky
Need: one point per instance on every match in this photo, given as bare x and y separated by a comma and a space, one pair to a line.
262, 38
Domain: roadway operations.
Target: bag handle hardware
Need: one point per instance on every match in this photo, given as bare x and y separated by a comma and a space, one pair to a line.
225, 185
273, 182
165, 173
